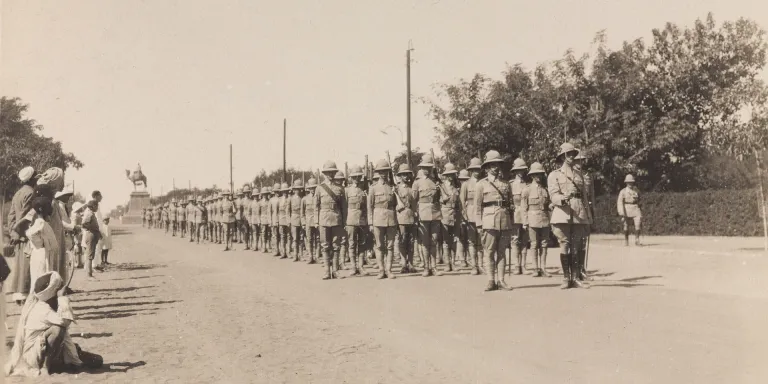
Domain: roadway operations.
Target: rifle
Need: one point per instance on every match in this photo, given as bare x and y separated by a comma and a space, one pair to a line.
346, 175
436, 174
366, 176
392, 173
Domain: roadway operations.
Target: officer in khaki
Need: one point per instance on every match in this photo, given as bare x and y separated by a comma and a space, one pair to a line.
628, 207
242, 216
462, 224
534, 209
382, 203
519, 234
227, 218
297, 225
467, 200
330, 205
265, 219
570, 213
191, 218
494, 205
165, 218
172, 213
181, 217
274, 213
356, 220
450, 210
309, 216
406, 218
426, 192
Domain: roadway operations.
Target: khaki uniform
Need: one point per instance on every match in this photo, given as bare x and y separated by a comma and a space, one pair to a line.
297, 229
265, 218
172, 216
494, 207
534, 206
381, 214
451, 211
181, 216
284, 222
356, 224
331, 215
519, 234
469, 223
274, 213
628, 205
570, 216
406, 219
312, 236
254, 213
427, 195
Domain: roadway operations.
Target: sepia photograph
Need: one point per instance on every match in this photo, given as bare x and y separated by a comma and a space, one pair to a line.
399, 191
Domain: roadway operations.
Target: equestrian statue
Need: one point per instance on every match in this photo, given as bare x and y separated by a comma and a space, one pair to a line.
137, 178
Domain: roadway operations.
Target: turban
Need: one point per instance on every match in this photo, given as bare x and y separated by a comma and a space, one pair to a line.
54, 285
54, 177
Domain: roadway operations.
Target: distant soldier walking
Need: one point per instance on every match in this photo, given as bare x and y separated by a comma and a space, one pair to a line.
628, 206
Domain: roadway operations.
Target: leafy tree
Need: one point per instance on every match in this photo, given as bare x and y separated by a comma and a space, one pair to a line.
22, 145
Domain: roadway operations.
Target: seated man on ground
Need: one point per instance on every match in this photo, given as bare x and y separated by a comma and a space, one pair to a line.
42, 344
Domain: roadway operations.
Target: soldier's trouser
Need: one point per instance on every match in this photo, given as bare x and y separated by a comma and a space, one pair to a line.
285, 233
539, 237
519, 245
428, 235
330, 238
355, 236
462, 246
275, 237
449, 234
311, 239
265, 240
406, 240
637, 221
495, 244
191, 229
563, 233
167, 226
385, 243
255, 236
90, 240
474, 245
297, 234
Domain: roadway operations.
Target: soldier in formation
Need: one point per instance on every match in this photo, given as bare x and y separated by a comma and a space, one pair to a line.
329, 208
356, 222
519, 234
297, 228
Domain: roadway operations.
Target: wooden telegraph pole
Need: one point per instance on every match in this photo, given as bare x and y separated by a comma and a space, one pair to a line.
284, 136
408, 105
231, 182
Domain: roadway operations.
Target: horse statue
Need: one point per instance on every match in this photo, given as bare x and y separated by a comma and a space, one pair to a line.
137, 178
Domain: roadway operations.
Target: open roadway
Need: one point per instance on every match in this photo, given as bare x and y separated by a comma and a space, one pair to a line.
676, 310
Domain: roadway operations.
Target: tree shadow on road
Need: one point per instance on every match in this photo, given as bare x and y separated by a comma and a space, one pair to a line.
122, 289
90, 335
125, 304
134, 267
137, 277
116, 314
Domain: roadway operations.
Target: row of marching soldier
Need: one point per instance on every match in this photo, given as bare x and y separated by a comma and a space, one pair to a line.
455, 219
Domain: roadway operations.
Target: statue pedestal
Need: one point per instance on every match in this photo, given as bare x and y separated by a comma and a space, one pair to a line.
139, 200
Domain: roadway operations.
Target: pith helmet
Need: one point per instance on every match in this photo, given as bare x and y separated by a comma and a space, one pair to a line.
311, 183
329, 166
492, 157
339, 176
404, 168
246, 188
629, 179
255, 192
427, 161
464, 174
225, 192
173, 200
356, 170
382, 165
269, 190
519, 164
264, 190
191, 198
276, 188
536, 168
298, 184
285, 187
580, 156
375, 176
450, 169
567, 147
200, 199
475, 163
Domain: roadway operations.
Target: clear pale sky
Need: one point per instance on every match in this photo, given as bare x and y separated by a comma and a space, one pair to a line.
171, 84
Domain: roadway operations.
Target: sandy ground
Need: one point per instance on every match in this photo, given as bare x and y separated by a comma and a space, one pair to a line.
678, 309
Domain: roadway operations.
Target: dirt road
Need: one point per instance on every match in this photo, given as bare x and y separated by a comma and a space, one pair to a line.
174, 312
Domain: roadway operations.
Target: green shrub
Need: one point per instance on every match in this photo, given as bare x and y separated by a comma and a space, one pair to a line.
700, 213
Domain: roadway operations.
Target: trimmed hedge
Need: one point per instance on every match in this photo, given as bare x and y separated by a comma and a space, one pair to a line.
701, 213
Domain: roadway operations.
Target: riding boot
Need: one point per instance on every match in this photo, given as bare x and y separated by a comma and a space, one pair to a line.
327, 264
582, 269
524, 258
519, 269
565, 263
461, 254
575, 269
491, 277
336, 267
380, 264
637, 238
500, 282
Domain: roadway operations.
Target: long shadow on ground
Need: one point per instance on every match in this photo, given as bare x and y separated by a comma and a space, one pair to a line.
125, 304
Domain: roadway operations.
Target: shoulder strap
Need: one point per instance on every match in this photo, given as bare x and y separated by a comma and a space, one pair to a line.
328, 190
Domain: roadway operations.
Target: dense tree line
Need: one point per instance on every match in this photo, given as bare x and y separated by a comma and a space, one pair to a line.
671, 111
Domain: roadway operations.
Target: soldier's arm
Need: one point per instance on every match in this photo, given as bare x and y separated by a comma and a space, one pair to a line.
369, 205
619, 205
343, 208
524, 205
479, 201
553, 187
